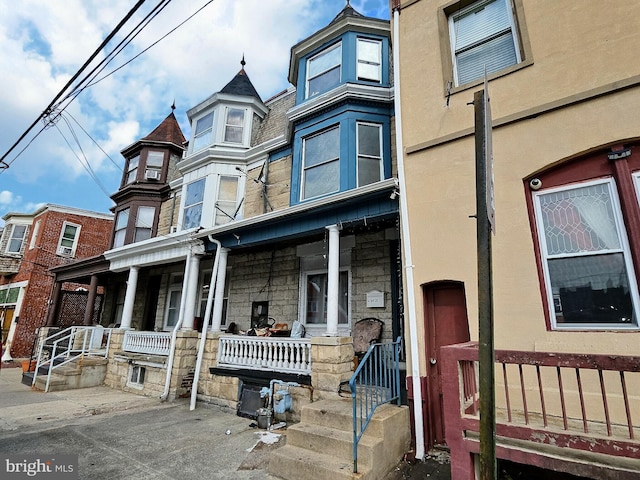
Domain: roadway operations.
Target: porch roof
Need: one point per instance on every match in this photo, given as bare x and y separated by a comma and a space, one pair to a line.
365, 206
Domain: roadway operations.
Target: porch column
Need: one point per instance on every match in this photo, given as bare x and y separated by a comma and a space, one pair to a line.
91, 300
218, 299
54, 304
191, 293
333, 280
129, 298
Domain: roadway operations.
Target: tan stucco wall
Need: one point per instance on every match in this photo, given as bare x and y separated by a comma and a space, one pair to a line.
563, 104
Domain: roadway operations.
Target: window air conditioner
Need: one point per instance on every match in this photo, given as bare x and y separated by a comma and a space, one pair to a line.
152, 174
66, 251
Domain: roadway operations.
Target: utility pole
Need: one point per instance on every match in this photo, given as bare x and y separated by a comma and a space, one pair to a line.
485, 227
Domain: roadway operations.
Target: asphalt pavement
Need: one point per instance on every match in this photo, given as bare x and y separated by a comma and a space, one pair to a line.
119, 435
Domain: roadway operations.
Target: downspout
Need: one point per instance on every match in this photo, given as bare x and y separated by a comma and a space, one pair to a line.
406, 244
174, 333
205, 323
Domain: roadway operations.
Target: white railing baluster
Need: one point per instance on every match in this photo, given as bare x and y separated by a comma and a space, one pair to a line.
265, 353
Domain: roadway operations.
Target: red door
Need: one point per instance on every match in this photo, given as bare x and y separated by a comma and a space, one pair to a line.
446, 323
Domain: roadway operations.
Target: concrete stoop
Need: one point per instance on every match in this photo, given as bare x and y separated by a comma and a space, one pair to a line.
81, 373
321, 445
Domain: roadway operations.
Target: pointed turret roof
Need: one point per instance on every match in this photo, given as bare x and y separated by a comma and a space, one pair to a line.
347, 11
241, 85
168, 131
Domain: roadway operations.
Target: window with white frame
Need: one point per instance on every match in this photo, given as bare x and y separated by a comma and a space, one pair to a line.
483, 36
234, 125
369, 145
194, 199
203, 132
369, 54
323, 70
68, 239
315, 301
587, 265
16, 238
132, 169
321, 163
120, 229
172, 306
144, 223
226, 205
136, 376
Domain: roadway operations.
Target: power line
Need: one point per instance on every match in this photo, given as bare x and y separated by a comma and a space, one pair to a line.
70, 82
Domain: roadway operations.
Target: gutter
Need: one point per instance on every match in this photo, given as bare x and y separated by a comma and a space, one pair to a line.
174, 333
205, 323
406, 247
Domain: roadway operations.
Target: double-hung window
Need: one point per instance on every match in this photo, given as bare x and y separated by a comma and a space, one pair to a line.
369, 60
483, 36
172, 307
193, 204
227, 200
234, 125
321, 163
203, 132
323, 70
315, 284
68, 239
369, 144
586, 259
153, 170
17, 237
120, 231
132, 169
144, 223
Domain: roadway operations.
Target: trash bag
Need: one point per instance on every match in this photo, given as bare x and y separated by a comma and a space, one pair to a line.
297, 330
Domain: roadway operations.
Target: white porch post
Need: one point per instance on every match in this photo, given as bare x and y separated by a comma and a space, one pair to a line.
129, 298
218, 300
190, 295
333, 280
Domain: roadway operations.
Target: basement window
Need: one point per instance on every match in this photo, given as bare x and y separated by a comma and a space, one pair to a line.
136, 376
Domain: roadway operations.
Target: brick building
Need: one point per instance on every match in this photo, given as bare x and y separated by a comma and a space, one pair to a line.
55, 236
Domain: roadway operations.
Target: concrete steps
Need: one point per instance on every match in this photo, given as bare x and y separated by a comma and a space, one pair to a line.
321, 445
81, 373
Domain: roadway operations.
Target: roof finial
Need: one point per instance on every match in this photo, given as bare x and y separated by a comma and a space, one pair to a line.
348, 3
242, 62
173, 105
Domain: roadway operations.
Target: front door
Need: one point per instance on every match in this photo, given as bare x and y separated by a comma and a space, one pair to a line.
446, 323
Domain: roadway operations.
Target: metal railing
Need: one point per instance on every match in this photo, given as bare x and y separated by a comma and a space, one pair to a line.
376, 381
65, 346
152, 343
290, 355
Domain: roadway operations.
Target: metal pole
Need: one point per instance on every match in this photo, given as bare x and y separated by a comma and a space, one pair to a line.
488, 466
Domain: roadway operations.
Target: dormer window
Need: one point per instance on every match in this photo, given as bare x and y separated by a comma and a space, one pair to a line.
203, 133
234, 125
132, 169
369, 60
323, 70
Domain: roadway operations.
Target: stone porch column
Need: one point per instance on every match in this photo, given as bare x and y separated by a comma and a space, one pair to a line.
218, 300
332, 364
333, 280
129, 298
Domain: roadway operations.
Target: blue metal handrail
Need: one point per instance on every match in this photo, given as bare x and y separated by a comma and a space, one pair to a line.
375, 382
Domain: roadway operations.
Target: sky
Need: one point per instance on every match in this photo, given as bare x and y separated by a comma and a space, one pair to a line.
74, 160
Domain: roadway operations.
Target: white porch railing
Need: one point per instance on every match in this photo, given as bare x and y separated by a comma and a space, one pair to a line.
290, 355
152, 343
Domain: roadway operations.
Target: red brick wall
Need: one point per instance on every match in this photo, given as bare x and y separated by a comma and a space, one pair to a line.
94, 240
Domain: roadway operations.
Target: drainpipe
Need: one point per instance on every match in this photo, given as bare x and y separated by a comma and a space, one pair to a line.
205, 322
174, 333
406, 245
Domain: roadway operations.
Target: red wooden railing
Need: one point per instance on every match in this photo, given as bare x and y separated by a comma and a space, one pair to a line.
568, 412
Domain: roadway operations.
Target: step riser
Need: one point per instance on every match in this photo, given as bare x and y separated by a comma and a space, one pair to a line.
338, 420
299, 469
334, 447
